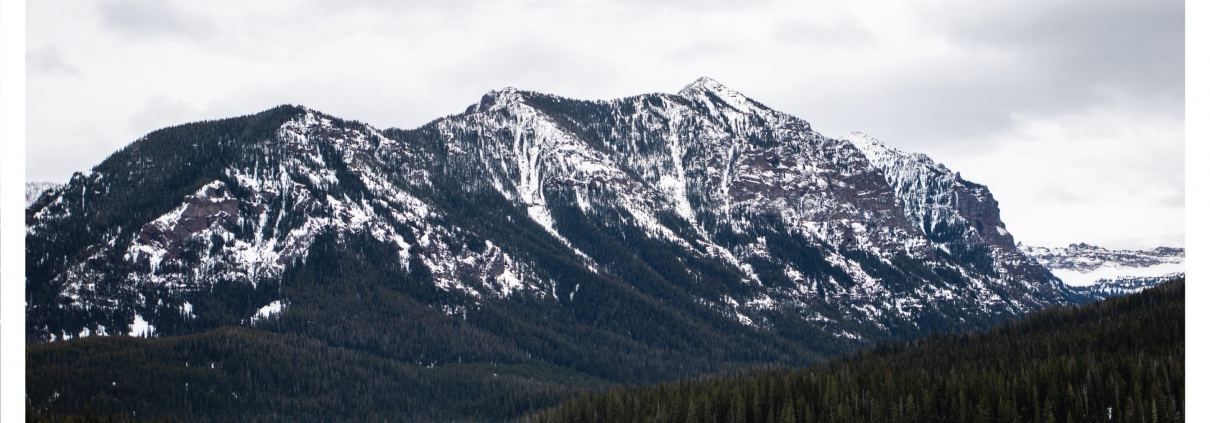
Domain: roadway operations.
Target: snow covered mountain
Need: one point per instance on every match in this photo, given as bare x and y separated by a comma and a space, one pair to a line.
33, 190
702, 216
1107, 272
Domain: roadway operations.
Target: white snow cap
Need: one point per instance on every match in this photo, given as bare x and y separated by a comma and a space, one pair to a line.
708, 84
705, 83
498, 99
698, 90
861, 137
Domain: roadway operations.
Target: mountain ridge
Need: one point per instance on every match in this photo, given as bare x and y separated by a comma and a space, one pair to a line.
684, 226
1102, 272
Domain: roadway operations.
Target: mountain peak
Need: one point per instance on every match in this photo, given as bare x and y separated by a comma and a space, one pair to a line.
710, 91
746, 209
861, 139
496, 99
705, 83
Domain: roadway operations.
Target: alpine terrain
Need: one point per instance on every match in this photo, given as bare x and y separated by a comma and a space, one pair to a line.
632, 240
1101, 272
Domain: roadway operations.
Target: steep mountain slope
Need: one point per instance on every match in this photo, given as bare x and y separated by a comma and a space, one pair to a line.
1103, 272
959, 217
634, 239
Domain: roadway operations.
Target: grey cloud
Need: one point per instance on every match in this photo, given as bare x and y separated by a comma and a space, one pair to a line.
1108, 239
48, 61
1083, 52
1062, 193
449, 87
1033, 58
143, 18
630, 9
380, 105
403, 10
56, 161
1154, 175
529, 65
980, 70
161, 111
844, 33
918, 109
698, 5
393, 5
1175, 201
706, 47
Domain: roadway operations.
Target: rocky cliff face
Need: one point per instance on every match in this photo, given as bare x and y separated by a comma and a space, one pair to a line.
958, 216
705, 202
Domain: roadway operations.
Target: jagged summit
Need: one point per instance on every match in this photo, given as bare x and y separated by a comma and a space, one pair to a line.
705, 83
862, 137
497, 99
723, 102
875, 149
710, 91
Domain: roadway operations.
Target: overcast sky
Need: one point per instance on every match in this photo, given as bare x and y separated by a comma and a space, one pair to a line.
1072, 112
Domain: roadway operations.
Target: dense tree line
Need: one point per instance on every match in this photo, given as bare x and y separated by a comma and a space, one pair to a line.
1120, 359
242, 375
1066, 364
32, 417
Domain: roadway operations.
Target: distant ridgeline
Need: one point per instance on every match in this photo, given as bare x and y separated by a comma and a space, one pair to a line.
1121, 359
1097, 272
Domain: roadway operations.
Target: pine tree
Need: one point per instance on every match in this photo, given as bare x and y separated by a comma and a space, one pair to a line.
787, 414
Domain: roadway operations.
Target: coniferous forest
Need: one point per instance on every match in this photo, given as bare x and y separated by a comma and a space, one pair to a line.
237, 374
1120, 359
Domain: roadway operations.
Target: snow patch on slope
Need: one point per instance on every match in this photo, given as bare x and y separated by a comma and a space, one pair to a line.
1115, 272
272, 309
1087, 265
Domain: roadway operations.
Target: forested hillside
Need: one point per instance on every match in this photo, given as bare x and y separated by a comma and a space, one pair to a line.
241, 375
1121, 359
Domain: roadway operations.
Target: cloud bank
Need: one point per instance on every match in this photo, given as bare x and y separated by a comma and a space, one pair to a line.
1072, 112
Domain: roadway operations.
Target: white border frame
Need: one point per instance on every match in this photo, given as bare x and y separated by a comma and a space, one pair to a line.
12, 210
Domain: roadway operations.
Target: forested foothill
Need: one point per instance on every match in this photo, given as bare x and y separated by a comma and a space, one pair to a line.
1121, 359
